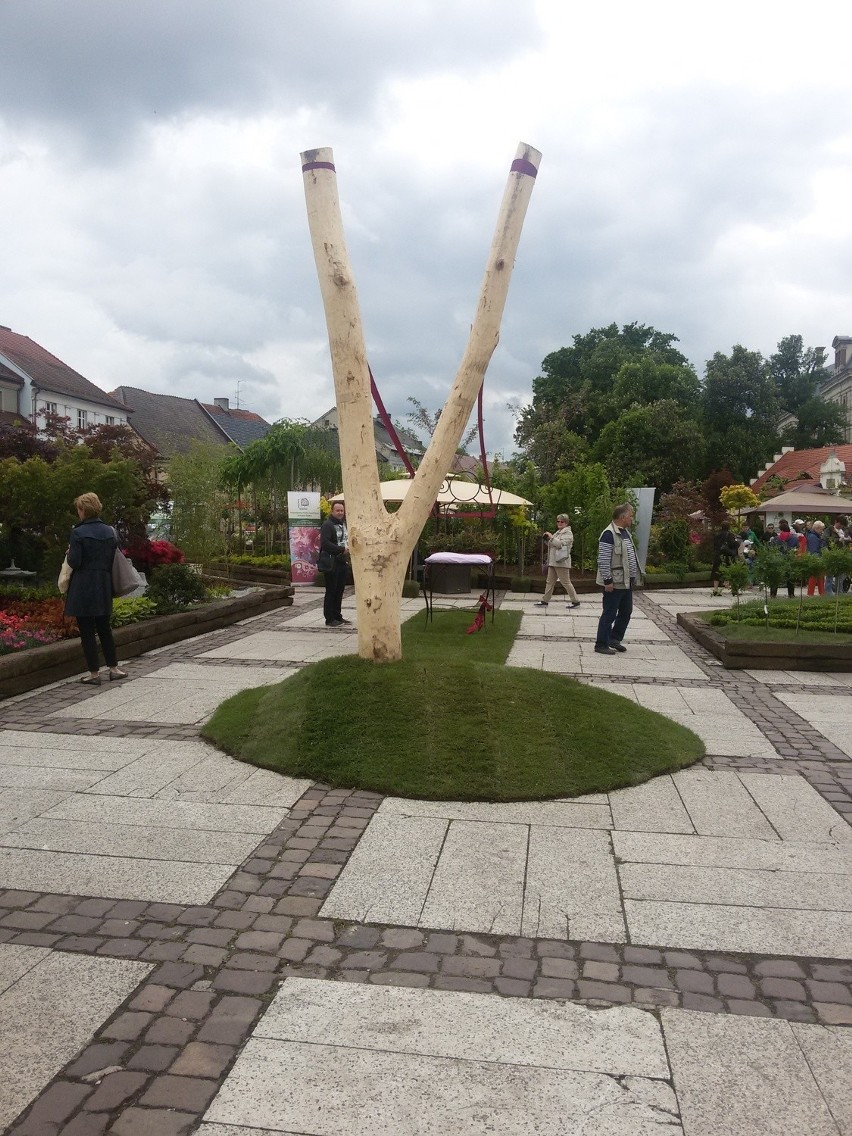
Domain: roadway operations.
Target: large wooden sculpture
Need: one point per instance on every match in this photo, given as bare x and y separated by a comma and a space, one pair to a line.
381, 542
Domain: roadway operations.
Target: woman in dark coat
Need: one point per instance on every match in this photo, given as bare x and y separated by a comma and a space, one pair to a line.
90, 554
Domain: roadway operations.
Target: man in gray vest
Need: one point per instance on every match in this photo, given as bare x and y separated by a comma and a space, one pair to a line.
618, 572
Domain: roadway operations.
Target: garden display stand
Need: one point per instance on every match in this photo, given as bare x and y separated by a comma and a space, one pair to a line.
462, 562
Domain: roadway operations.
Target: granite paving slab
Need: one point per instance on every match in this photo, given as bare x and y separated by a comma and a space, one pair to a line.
49, 1012
736, 1076
178, 693
717, 927
384, 1061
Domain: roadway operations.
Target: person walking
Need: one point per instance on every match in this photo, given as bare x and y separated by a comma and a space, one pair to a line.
618, 574
815, 539
559, 545
334, 563
787, 543
90, 554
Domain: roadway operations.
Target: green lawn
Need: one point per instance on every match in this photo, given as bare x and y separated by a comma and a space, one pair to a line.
450, 722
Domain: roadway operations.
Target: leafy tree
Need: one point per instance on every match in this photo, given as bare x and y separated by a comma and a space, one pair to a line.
585, 495
37, 501
684, 498
200, 504
798, 373
575, 392
657, 444
818, 423
648, 381
740, 411
735, 498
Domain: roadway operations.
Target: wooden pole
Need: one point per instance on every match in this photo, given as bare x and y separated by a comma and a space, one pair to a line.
381, 543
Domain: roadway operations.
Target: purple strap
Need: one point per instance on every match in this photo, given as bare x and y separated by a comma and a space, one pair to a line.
522, 166
388, 425
318, 166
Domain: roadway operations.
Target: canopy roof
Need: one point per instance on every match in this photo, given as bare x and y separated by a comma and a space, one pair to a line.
804, 503
454, 491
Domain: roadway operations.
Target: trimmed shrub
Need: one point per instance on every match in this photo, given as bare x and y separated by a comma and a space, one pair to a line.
175, 586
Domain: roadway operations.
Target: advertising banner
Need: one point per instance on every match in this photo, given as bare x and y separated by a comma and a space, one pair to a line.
303, 514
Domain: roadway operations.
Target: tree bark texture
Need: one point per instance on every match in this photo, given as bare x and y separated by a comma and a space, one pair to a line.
381, 542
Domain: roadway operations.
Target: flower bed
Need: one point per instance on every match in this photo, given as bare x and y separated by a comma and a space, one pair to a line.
26, 670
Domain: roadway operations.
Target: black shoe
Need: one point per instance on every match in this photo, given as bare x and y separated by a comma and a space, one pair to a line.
577, 604
617, 645
604, 650
342, 620
334, 623
541, 603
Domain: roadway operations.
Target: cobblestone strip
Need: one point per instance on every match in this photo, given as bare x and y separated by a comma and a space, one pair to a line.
155, 1065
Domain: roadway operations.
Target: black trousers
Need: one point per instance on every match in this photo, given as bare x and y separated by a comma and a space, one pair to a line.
90, 625
335, 585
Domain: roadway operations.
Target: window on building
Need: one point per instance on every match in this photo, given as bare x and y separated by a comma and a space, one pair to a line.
82, 419
9, 399
51, 408
110, 421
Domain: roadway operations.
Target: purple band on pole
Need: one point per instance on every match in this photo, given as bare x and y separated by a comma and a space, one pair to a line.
318, 166
522, 166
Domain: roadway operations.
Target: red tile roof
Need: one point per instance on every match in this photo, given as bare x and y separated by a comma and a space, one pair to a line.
791, 466
49, 373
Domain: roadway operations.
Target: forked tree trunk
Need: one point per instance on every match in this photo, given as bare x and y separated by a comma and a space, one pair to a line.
381, 542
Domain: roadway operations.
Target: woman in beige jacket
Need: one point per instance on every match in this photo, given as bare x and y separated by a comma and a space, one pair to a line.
559, 546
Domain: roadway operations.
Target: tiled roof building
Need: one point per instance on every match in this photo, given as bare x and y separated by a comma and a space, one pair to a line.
171, 424
802, 465
34, 383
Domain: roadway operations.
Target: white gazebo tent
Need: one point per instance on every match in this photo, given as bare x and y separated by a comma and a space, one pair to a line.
793, 503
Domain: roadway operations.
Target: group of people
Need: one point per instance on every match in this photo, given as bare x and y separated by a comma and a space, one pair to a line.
803, 537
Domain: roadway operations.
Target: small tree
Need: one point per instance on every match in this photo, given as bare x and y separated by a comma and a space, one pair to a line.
738, 497
200, 504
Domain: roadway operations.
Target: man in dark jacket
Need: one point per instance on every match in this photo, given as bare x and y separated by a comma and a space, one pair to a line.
334, 563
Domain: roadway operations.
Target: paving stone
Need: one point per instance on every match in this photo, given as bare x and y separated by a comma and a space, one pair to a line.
397, 978
607, 991
153, 1058
152, 998
830, 992
695, 981
785, 988
833, 1015
154, 1122
115, 1090
169, 1031
600, 971
402, 939
779, 968
201, 1059
654, 976
522, 968
243, 982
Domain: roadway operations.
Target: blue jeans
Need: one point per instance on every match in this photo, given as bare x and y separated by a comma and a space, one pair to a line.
617, 609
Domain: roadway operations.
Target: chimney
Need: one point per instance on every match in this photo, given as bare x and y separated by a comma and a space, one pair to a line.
222, 403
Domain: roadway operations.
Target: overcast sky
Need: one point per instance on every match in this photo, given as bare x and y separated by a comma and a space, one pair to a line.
696, 175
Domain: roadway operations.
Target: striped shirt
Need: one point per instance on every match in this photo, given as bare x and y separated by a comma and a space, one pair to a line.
606, 547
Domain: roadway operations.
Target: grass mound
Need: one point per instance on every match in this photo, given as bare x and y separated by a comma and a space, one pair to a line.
444, 724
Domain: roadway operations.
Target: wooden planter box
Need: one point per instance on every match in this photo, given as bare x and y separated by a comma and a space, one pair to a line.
752, 654
27, 670
247, 573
